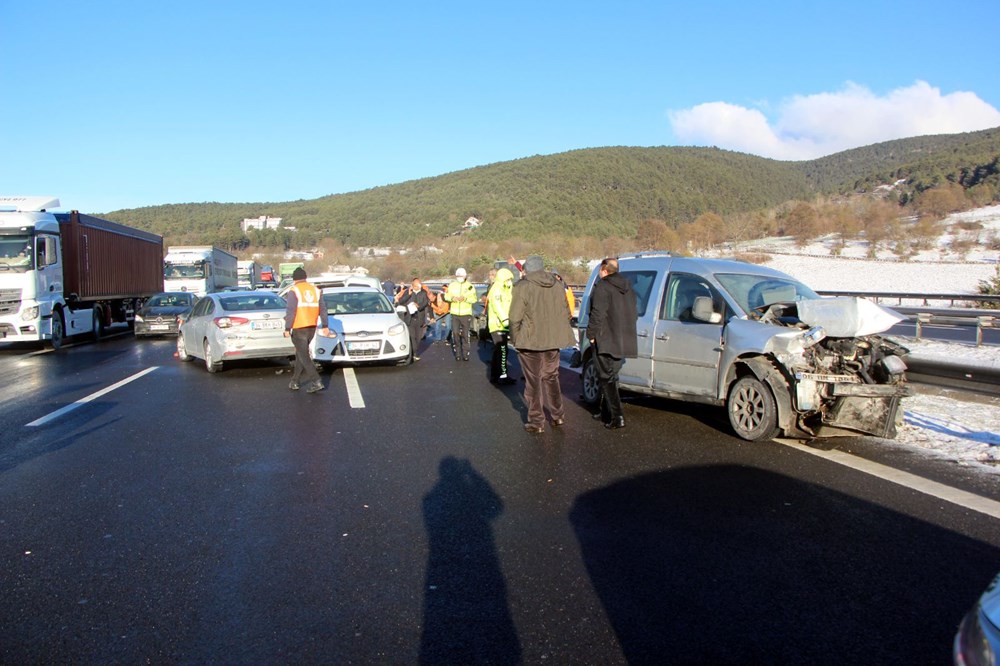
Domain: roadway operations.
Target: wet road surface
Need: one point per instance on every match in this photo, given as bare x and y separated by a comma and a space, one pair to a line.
189, 517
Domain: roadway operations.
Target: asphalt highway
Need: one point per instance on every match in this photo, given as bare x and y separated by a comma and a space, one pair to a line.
403, 515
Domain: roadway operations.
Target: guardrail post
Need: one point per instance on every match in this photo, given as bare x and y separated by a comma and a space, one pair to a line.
922, 318
984, 322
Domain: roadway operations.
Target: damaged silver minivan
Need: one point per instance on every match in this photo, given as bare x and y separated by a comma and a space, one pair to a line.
781, 359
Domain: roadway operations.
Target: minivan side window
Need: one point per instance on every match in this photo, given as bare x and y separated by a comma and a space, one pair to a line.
678, 299
642, 285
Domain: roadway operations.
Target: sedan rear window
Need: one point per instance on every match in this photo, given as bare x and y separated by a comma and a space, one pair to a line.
252, 301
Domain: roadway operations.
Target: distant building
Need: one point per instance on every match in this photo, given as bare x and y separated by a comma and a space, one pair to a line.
262, 222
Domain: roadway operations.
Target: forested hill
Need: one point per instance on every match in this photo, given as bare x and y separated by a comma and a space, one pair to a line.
596, 192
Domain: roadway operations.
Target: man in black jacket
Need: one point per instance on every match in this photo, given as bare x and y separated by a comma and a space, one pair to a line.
416, 301
612, 331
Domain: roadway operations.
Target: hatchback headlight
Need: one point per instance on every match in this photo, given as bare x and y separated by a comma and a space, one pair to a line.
27, 314
397, 329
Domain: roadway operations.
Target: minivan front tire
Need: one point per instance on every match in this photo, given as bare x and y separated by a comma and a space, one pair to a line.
753, 413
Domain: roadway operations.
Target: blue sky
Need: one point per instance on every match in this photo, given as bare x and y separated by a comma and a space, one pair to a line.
111, 105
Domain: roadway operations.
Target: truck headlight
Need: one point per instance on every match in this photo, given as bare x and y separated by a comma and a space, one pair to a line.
30, 313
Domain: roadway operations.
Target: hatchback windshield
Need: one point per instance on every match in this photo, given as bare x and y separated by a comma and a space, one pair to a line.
357, 303
252, 301
755, 291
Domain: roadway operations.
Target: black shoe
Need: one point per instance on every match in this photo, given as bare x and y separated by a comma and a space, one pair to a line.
557, 423
616, 423
466, 358
314, 387
598, 417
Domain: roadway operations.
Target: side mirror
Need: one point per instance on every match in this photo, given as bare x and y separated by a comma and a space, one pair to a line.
702, 310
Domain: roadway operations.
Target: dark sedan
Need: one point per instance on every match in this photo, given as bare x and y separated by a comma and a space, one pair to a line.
160, 313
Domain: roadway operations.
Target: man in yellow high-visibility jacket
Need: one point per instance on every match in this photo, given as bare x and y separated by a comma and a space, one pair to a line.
461, 296
303, 311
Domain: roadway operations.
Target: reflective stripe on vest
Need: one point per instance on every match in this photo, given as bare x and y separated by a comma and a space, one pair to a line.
307, 311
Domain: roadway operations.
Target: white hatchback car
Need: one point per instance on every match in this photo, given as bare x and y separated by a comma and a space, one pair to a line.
229, 326
364, 328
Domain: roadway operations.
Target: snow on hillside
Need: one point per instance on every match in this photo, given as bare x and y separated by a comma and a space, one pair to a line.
952, 425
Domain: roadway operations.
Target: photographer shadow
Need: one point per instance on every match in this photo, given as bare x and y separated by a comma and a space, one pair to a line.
466, 616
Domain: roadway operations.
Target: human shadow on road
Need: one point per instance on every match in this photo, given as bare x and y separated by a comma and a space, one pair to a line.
466, 616
728, 564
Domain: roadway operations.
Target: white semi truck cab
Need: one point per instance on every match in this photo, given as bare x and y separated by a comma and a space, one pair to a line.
68, 273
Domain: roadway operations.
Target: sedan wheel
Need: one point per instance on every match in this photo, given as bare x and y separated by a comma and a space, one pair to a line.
211, 364
181, 351
752, 411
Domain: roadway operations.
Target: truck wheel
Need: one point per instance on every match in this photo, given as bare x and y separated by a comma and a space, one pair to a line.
211, 364
97, 326
588, 377
181, 351
752, 410
58, 330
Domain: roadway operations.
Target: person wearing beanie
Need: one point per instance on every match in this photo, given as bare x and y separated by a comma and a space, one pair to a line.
461, 296
303, 311
539, 328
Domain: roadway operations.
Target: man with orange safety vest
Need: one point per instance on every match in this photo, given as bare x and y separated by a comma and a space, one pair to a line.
303, 311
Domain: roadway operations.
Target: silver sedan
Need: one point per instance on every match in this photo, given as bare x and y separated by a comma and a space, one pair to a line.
231, 326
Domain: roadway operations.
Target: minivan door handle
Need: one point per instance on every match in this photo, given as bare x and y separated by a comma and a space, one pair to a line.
663, 337
642, 334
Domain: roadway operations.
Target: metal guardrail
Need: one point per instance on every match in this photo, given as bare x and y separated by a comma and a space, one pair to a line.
923, 315
925, 299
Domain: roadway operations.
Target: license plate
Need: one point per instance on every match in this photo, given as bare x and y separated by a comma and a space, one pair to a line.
361, 346
267, 325
159, 327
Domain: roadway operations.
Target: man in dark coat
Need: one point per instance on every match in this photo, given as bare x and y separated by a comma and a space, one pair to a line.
611, 330
416, 302
539, 328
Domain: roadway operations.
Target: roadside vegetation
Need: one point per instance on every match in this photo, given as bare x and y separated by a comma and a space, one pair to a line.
606, 201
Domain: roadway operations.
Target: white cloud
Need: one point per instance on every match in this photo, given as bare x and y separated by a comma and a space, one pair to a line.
810, 126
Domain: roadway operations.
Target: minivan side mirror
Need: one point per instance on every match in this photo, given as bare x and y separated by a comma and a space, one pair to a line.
702, 310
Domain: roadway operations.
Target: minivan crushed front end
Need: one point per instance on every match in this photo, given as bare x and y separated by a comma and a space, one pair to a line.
842, 377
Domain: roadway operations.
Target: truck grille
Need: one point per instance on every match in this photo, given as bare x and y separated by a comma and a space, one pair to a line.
10, 301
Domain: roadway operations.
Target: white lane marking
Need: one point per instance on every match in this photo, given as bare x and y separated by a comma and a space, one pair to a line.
353, 390
93, 396
962, 498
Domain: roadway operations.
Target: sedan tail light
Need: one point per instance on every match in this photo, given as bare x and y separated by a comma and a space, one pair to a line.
229, 322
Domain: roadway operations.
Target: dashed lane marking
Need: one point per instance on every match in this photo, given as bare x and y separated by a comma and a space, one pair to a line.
93, 396
962, 498
353, 390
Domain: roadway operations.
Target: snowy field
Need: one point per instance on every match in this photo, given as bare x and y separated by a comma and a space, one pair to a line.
947, 424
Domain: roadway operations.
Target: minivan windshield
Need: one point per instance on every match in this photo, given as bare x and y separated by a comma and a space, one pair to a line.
756, 291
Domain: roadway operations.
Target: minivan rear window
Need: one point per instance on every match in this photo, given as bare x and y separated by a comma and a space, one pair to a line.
642, 285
